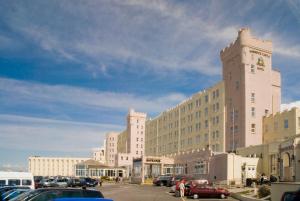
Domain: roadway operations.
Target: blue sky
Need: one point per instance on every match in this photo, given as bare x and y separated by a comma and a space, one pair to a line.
69, 70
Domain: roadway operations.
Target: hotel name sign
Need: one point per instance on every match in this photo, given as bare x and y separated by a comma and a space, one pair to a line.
152, 160
260, 61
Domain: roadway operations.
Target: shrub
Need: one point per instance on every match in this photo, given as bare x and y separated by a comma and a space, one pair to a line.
264, 191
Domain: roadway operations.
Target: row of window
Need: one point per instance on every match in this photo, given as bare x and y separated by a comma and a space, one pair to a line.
285, 124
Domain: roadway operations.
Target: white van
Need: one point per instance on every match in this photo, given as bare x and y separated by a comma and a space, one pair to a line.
17, 179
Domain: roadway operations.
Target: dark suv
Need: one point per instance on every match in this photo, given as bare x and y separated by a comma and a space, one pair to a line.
48, 194
89, 182
162, 180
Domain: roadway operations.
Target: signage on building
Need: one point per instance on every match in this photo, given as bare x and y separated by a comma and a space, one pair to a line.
260, 53
153, 160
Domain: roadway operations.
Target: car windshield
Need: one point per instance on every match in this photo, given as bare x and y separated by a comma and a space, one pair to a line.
25, 195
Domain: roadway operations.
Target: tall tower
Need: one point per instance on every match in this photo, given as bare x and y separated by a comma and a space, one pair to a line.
136, 133
111, 148
252, 89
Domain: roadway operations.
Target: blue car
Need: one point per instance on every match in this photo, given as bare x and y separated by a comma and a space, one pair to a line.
82, 199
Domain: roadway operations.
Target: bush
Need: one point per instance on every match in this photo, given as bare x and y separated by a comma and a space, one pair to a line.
105, 178
264, 191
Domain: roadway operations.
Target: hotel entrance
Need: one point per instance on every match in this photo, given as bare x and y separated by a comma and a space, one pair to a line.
149, 167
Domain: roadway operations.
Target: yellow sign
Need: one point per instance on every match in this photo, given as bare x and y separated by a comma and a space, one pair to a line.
260, 62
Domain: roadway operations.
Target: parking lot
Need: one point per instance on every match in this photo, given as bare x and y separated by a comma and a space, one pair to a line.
131, 192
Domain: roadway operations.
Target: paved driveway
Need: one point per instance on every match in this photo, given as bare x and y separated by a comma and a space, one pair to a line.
131, 192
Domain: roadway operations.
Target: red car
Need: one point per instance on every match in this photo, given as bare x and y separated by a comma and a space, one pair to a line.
188, 185
205, 191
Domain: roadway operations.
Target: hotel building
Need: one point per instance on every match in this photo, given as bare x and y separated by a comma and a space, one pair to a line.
196, 123
228, 115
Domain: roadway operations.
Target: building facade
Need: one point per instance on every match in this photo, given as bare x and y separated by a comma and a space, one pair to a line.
98, 154
196, 123
111, 148
53, 166
252, 88
281, 125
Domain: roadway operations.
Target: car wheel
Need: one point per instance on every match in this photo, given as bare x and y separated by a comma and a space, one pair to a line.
177, 194
222, 196
195, 196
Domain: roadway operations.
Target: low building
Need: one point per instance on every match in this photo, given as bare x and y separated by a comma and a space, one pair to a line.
53, 166
267, 154
281, 125
95, 169
200, 164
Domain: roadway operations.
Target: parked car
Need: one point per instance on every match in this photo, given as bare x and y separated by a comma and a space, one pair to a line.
178, 178
89, 182
47, 182
205, 191
291, 196
75, 182
162, 180
188, 185
5, 189
47, 194
82, 199
13, 193
61, 182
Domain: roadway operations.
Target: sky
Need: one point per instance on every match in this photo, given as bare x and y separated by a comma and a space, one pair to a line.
71, 69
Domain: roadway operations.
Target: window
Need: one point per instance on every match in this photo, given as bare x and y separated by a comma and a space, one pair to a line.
137, 152
206, 123
214, 94
137, 139
253, 128
298, 122
252, 97
217, 93
253, 111
286, 123
206, 99
206, 111
237, 85
14, 182
2, 182
252, 68
26, 182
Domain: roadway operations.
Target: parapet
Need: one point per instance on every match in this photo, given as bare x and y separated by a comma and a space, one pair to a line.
245, 38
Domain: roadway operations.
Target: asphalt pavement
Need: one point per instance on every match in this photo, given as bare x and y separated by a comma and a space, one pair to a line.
133, 192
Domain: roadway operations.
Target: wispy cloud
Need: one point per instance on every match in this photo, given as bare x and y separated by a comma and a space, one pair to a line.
39, 134
17, 92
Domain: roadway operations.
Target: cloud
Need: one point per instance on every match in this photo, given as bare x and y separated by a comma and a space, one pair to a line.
155, 34
288, 106
21, 92
39, 134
